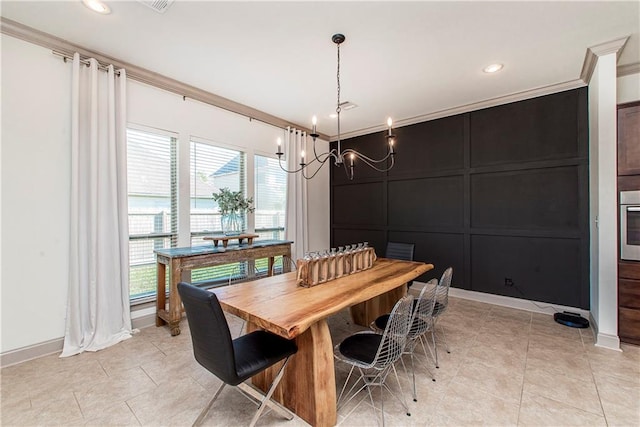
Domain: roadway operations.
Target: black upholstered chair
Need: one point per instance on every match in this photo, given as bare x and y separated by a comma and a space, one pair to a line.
232, 360
403, 251
398, 250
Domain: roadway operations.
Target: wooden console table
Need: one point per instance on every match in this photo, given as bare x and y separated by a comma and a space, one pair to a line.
189, 258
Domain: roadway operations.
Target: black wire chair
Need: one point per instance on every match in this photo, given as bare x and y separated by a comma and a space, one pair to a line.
422, 323
442, 303
374, 355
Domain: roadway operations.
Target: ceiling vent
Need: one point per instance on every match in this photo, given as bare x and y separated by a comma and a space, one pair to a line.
159, 6
347, 105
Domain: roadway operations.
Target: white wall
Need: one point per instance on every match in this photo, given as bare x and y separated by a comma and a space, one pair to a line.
35, 193
628, 88
36, 179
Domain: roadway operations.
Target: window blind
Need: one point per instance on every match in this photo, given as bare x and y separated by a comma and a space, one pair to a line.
270, 198
213, 168
152, 204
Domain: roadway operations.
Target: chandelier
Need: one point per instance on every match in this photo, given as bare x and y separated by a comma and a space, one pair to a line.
337, 154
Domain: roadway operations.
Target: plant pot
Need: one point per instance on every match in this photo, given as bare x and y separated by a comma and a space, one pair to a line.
232, 224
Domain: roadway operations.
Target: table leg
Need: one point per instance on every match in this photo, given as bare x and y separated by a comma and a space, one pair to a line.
366, 312
175, 303
308, 387
251, 268
270, 266
286, 260
161, 298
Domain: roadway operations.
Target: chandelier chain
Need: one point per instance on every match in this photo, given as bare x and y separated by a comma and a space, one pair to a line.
338, 108
338, 79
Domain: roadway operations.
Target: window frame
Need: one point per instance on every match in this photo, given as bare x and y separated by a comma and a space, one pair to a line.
173, 235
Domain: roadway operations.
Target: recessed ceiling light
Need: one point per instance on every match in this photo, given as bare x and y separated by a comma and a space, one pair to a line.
492, 68
333, 115
97, 6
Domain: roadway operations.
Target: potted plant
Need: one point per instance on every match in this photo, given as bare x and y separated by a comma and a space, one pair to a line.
233, 206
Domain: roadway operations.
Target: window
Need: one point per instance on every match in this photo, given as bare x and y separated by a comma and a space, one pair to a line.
152, 200
212, 168
270, 203
152, 162
270, 198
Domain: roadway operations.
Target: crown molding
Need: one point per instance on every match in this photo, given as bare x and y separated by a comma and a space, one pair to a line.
514, 97
628, 69
134, 72
592, 54
31, 35
591, 58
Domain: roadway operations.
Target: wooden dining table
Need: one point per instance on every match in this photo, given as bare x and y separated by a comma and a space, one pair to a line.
279, 305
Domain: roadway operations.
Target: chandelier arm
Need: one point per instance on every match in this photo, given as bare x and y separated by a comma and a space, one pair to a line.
331, 153
368, 159
372, 165
301, 168
315, 173
287, 170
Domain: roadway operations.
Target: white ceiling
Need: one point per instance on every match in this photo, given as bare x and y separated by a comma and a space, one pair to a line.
400, 59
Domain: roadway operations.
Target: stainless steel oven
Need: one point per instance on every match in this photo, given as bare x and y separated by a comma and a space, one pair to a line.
630, 225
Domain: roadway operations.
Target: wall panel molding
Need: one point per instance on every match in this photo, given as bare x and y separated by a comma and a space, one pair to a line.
518, 210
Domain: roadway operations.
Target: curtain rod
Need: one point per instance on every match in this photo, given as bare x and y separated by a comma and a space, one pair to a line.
134, 72
85, 61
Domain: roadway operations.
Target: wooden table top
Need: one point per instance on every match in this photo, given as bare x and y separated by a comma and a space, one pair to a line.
278, 305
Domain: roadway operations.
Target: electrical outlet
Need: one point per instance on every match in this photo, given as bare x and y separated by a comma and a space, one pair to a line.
508, 282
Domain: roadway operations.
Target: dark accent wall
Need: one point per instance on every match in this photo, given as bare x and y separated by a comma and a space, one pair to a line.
499, 193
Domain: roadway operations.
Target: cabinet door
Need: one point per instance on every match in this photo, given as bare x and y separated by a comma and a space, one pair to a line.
629, 293
629, 140
629, 325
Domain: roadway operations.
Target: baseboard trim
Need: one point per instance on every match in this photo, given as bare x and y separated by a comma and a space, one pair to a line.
140, 318
19, 355
144, 321
520, 304
608, 341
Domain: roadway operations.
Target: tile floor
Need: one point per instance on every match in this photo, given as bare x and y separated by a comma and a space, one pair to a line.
506, 367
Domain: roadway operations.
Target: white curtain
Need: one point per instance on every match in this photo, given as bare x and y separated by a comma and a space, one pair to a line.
297, 228
98, 312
